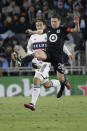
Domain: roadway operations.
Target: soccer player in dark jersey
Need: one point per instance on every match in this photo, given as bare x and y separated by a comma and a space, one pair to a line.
55, 41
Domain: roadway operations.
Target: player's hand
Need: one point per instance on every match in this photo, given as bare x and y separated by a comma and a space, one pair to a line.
29, 31
76, 19
71, 57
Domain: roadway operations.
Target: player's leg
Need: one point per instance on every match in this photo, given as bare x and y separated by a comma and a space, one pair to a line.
62, 83
21, 61
52, 83
40, 54
35, 94
36, 90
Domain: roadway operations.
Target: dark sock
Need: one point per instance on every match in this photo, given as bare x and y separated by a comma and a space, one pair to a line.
27, 59
61, 89
62, 85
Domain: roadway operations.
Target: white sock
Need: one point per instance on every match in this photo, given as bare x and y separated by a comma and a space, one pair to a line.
55, 83
35, 94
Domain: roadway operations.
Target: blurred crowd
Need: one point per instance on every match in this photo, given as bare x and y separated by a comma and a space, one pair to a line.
18, 15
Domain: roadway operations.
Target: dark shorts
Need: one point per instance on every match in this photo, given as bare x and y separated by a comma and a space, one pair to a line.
56, 60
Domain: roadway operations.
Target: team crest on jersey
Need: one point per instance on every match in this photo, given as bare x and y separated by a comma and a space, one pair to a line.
53, 38
58, 31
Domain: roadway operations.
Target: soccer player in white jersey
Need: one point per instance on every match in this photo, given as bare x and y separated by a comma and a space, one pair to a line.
37, 42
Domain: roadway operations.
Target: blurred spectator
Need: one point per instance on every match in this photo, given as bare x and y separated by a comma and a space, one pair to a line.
25, 7
76, 7
22, 25
38, 6
39, 14
60, 9
8, 52
3, 61
12, 8
22, 54
68, 20
68, 4
7, 36
14, 42
8, 24
83, 24
2, 17
16, 23
31, 17
46, 11
33, 2
55, 2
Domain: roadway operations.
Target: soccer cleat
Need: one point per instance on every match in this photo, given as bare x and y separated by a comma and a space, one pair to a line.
67, 84
17, 59
30, 106
60, 92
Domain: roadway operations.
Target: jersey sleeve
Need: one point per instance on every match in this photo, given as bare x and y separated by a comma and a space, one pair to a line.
29, 47
65, 49
66, 30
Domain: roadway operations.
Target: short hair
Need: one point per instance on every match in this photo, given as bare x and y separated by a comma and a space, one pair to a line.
41, 20
56, 15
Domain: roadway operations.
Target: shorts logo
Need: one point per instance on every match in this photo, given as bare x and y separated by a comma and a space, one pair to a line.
53, 38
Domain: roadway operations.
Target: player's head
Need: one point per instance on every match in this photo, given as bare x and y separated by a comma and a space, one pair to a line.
40, 24
55, 20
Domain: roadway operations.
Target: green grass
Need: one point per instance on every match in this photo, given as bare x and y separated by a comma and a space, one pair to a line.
52, 114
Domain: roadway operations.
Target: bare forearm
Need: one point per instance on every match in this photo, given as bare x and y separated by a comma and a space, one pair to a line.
76, 29
37, 32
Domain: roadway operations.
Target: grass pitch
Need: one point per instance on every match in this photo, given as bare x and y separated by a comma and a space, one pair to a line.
52, 114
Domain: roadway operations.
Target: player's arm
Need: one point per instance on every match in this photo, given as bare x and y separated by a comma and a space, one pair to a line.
30, 54
77, 27
65, 49
34, 32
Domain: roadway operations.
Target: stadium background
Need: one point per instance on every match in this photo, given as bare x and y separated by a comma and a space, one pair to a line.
52, 114
17, 16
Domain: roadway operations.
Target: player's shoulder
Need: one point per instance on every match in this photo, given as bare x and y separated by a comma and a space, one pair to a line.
62, 27
34, 37
48, 28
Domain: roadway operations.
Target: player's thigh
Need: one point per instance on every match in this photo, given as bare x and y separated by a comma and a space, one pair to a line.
36, 81
38, 77
41, 54
43, 78
46, 84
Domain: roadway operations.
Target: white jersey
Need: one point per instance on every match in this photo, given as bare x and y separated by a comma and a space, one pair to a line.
36, 42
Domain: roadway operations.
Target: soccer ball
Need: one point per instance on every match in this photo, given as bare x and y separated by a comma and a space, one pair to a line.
37, 63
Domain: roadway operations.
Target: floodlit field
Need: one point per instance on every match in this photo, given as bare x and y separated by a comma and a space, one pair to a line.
52, 114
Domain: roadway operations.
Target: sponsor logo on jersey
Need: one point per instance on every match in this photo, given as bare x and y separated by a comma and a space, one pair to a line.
53, 38
39, 45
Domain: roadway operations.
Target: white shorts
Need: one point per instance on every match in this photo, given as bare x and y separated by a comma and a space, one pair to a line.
43, 72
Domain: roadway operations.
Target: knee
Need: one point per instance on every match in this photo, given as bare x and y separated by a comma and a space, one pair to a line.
46, 85
61, 78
